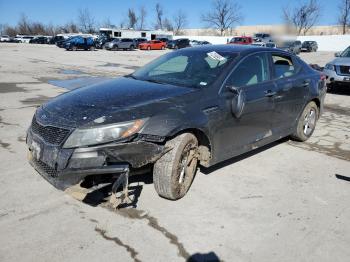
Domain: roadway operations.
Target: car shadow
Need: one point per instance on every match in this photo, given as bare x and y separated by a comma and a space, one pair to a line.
102, 194
207, 257
339, 90
209, 170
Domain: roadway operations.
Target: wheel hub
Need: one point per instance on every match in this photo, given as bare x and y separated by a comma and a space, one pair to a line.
309, 122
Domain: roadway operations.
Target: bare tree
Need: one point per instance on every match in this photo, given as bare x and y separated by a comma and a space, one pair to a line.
70, 27
86, 21
10, 30
107, 23
23, 25
303, 17
142, 17
159, 14
168, 25
132, 18
224, 14
344, 15
180, 21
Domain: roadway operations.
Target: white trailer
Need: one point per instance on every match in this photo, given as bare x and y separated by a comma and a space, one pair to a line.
130, 33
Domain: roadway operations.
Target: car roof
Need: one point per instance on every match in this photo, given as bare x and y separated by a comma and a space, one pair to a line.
233, 48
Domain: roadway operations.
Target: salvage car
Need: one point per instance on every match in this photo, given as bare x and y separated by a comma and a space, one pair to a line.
309, 46
291, 46
39, 40
121, 43
241, 40
178, 43
152, 45
80, 43
195, 106
338, 70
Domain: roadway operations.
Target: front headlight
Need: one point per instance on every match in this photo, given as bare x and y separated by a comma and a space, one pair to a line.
103, 134
330, 67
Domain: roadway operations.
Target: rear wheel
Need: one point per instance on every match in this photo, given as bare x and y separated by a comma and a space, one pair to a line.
148, 48
132, 47
92, 48
174, 172
306, 122
74, 48
163, 47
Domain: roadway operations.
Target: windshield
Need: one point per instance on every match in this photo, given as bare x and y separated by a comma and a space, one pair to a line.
345, 53
187, 68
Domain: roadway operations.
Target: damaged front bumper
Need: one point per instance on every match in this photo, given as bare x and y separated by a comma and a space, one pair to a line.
64, 168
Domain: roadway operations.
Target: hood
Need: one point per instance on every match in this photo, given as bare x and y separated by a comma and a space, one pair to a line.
113, 101
341, 61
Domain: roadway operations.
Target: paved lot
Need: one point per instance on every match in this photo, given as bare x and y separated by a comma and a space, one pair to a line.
282, 203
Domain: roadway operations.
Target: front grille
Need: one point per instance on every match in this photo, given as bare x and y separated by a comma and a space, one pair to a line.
344, 70
50, 134
45, 168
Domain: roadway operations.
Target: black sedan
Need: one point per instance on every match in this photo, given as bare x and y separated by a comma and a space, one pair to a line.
195, 106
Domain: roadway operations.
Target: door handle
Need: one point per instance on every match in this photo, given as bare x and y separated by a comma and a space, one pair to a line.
305, 84
270, 93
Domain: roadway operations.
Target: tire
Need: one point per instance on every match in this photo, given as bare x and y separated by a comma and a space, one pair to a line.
148, 48
170, 177
176, 47
132, 48
306, 123
163, 48
74, 48
92, 48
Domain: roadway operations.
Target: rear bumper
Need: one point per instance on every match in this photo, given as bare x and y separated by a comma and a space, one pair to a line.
64, 168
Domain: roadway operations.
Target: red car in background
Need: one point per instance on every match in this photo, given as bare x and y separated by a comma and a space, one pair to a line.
153, 45
241, 40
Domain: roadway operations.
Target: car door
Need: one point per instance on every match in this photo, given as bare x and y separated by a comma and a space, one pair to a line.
292, 88
247, 106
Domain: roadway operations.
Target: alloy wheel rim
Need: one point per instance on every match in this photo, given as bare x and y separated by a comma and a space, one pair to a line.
309, 122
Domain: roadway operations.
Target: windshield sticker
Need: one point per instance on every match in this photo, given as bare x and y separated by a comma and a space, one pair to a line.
216, 56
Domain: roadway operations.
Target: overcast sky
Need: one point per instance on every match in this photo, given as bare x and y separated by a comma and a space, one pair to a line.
60, 12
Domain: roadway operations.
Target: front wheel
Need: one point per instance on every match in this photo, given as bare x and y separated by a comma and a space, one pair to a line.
132, 48
92, 48
74, 48
173, 173
306, 122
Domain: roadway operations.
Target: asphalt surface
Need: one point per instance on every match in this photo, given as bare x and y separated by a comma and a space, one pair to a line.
285, 202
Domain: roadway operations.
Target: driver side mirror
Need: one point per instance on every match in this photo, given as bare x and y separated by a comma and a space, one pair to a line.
238, 101
337, 54
233, 89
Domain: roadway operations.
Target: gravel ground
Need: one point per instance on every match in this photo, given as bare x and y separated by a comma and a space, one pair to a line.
280, 203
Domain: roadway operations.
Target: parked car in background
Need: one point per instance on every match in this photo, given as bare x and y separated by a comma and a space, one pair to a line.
291, 46
241, 40
309, 46
24, 39
195, 106
338, 70
39, 40
121, 43
262, 37
152, 45
5, 38
163, 39
80, 43
179, 43
204, 43
55, 39
139, 41
263, 44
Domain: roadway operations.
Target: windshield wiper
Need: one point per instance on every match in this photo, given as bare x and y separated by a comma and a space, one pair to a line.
131, 76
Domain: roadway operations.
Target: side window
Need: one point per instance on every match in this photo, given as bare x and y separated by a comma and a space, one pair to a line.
252, 70
283, 66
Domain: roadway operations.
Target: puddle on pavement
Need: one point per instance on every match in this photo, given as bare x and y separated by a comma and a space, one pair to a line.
13, 88
75, 83
35, 101
121, 65
71, 72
